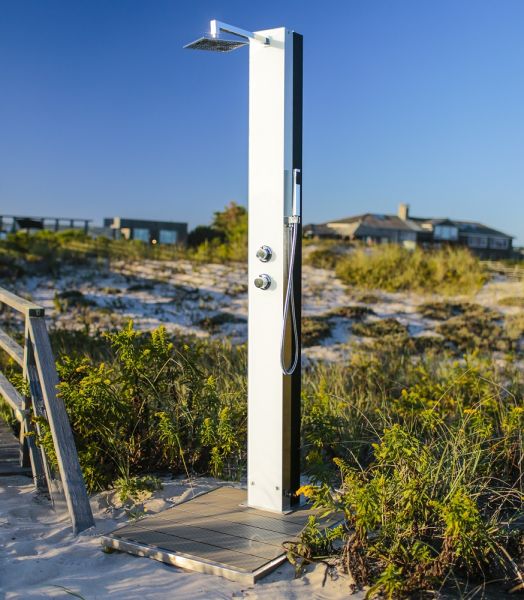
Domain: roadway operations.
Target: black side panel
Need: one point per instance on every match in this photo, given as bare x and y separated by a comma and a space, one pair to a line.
297, 281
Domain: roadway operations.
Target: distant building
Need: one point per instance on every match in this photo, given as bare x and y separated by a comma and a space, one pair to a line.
152, 232
412, 231
14, 223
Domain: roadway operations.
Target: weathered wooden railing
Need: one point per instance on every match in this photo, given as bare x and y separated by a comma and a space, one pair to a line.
37, 362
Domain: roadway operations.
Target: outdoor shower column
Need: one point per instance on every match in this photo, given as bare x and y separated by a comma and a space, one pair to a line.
275, 154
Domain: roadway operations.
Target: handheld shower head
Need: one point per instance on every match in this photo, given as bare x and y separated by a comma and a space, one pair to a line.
216, 44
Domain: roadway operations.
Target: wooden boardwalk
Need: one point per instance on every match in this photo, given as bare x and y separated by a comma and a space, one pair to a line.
215, 533
10, 453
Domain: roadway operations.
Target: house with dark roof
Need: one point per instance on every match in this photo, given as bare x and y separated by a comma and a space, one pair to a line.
151, 232
410, 231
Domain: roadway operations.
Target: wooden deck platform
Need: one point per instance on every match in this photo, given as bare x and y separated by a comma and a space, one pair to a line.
214, 533
10, 453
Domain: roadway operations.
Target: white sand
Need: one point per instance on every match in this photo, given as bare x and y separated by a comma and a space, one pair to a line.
39, 557
178, 295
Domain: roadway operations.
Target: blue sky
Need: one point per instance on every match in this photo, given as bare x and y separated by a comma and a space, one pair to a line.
102, 113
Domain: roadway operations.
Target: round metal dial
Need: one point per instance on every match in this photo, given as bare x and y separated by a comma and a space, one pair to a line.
263, 281
264, 253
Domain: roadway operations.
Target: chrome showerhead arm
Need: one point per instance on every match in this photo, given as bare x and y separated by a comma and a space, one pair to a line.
214, 42
215, 27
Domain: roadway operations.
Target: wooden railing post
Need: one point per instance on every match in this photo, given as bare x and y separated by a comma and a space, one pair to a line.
29, 452
68, 465
25, 461
42, 474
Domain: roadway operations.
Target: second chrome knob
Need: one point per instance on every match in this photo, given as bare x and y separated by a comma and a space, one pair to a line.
263, 281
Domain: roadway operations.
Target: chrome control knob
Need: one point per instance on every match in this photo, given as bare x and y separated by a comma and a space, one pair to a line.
263, 281
264, 253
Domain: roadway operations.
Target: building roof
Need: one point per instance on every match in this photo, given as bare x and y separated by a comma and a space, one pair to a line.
393, 222
437, 221
464, 227
122, 222
477, 228
377, 221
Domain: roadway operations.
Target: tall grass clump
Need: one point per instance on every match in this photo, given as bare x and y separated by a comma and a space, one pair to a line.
394, 268
428, 458
323, 254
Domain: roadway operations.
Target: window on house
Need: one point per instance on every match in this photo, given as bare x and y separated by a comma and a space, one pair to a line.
499, 243
167, 236
446, 232
141, 234
477, 241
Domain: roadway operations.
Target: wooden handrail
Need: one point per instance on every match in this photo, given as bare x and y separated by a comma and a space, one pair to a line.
12, 396
15, 351
38, 363
22, 305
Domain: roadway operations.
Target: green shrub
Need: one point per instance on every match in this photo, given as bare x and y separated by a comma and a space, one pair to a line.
393, 268
202, 234
350, 312
322, 258
143, 286
419, 512
149, 409
64, 301
429, 461
316, 543
380, 328
213, 323
79, 344
230, 242
368, 298
11, 267
314, 330
477, 330
515, 327
132, 490
512, 301
441, 310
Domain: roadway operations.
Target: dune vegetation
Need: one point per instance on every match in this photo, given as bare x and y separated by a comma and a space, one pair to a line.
421, 453
386, 267
416, 442
393, 268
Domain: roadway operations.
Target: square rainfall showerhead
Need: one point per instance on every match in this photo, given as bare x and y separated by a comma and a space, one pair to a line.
215, 44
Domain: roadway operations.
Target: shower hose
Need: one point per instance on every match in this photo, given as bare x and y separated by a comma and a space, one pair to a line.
289, 308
